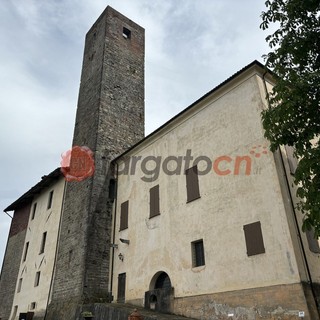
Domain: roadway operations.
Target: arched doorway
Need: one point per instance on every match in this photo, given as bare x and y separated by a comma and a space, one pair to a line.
160, 293
163, 281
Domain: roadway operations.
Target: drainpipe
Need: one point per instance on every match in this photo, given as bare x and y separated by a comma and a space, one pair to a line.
114, 230
298, 231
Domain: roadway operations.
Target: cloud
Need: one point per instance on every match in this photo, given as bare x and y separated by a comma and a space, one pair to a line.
191, 46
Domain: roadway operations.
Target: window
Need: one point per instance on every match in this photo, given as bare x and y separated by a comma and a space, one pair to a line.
254, 239
25, 252
32, 305
15, 310
43, 242
154, 201
37, 279
126, 33
34, 208
112, 189
312, 242
193, 192
121, 288
197, 253
19, 285
124, 215
50, 200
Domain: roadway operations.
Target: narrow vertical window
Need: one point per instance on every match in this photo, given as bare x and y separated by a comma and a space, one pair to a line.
254, 239
25, 252
37, 279
50, 200
15, 309
197, 253
19, 285
112, 189
124, 215
43, 242
34, 208
154, 201
32, 305
193, 191
121, 288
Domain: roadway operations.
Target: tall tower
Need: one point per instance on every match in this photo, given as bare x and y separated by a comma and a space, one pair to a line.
110, 119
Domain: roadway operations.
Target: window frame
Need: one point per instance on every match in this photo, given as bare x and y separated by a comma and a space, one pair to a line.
198, 253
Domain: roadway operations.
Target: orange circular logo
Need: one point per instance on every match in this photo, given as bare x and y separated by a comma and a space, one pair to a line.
77, 164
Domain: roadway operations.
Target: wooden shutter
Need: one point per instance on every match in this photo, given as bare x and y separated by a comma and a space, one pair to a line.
312, 242
292, 160
254, 239
154, 201
192, 184
124, 215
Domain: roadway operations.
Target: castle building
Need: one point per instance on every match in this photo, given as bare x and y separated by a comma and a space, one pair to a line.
197, 219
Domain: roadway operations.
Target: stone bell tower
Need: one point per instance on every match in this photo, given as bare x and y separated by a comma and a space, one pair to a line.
110, 119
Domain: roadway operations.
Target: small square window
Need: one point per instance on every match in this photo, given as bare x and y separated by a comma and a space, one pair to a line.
37, 279
50, 200
32, 305
197, 253
126, 33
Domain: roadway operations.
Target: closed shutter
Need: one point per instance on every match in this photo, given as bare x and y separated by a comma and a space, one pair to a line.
193, 191
312, 242
154, 201
124, 215
254, 239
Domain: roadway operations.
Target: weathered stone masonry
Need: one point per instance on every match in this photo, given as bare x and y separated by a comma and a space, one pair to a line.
110, 119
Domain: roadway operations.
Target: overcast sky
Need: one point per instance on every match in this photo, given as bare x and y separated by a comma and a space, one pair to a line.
191, 47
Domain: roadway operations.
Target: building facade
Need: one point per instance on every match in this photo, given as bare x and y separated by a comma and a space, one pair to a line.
36, 222
197, 219
205, 213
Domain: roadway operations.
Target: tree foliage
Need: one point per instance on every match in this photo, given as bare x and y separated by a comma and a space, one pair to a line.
294, 115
